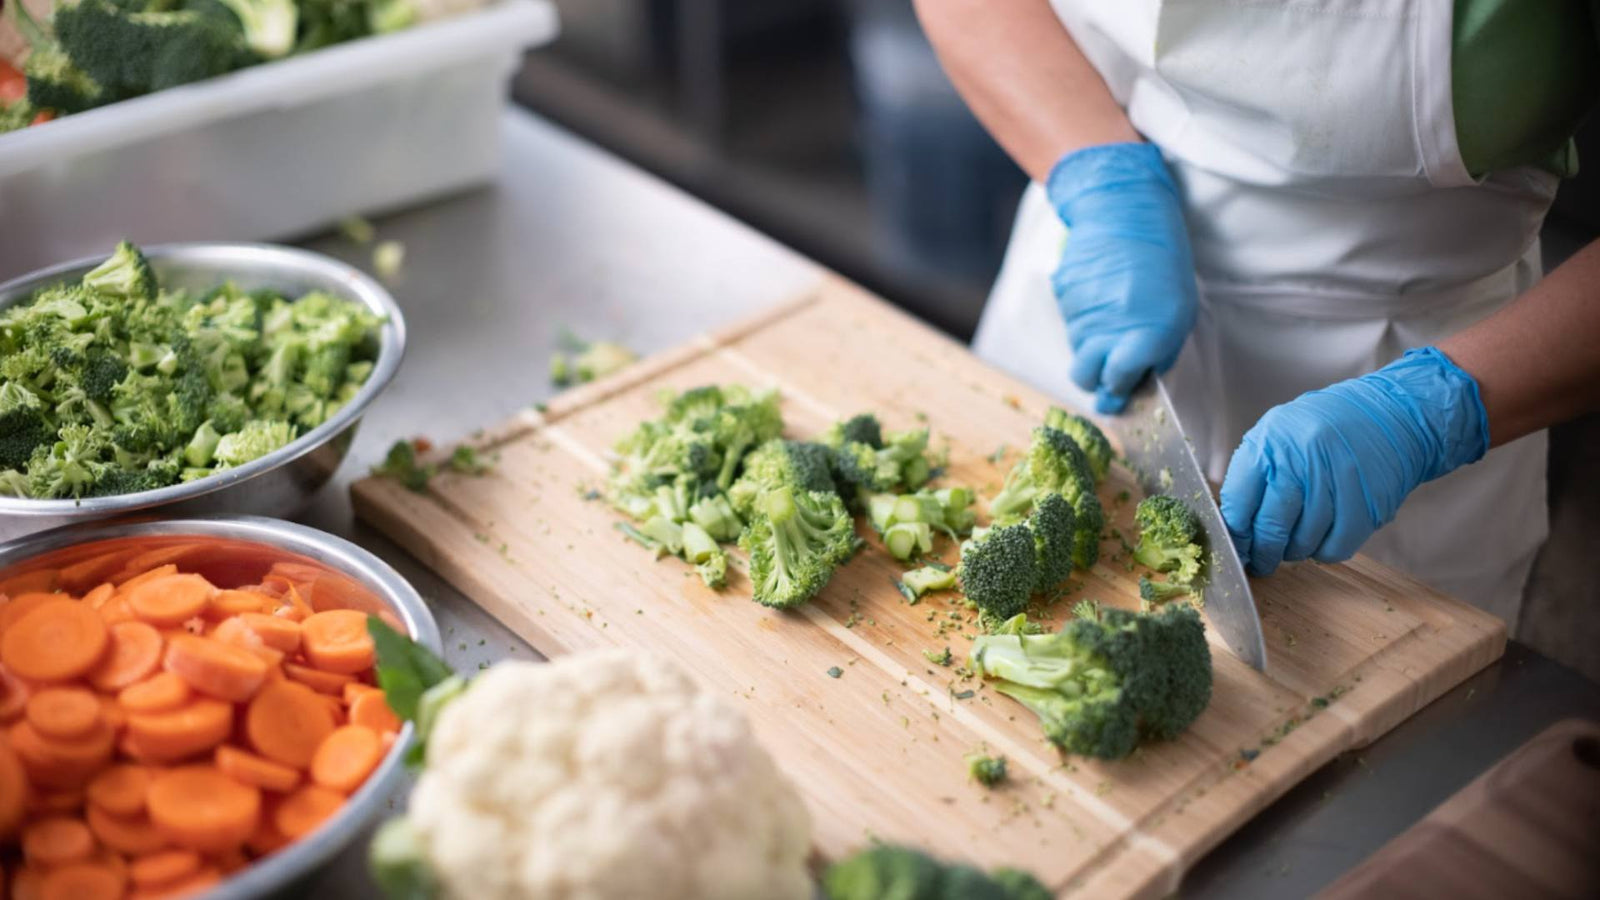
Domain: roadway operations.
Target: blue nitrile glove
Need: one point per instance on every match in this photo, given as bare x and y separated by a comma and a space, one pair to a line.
1319, 474
1126, 281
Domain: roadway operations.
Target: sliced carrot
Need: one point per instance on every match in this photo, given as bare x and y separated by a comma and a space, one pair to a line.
183, 732
21, 604
59, 803
346, 757
126, 582
120, 790
171, 600
117, 610
56, 840
135, 653
229, 861
14, 694
56, 640
275, 631
37, 581
266, 838
318, 680
112, 711
63, 712
13, 791
161, 691
25, 884
216, 669
160, 558
286, 722
58, 764
234, 602
95, 569
371, 709
163, 867
337, 641
200, 808
247, 768
301, 812
191, 886
98, 597
133, 835
82, 881
354, 689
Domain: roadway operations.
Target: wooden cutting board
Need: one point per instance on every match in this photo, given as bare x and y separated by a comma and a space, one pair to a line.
878, 751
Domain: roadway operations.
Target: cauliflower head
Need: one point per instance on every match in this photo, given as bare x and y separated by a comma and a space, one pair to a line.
605, 775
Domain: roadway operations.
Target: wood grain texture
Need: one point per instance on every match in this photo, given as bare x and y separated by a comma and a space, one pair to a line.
878, 752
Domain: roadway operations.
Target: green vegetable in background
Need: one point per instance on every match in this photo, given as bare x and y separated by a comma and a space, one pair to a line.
110, 385
889, 872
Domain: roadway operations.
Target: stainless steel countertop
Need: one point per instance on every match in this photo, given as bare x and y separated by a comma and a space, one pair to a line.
572, 237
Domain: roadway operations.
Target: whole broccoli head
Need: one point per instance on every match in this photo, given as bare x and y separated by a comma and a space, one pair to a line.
795, 540
1087, 435
1103, 684
999, 570
1169, 536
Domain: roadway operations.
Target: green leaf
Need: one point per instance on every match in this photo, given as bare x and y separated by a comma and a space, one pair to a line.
405, 668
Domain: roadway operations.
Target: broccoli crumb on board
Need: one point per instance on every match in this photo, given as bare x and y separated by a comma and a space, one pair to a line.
986, 770
835, 672
939, 659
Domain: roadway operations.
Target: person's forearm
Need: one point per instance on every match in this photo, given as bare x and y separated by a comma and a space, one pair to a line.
1537, 361
1025, 79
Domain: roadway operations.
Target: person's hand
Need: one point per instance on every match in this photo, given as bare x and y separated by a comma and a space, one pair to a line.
1319, 474
1126, 281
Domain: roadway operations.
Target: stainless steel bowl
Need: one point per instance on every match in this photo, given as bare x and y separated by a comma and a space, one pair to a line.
253, 537
280, 483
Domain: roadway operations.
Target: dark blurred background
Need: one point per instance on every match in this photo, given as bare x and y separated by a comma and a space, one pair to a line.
829, 125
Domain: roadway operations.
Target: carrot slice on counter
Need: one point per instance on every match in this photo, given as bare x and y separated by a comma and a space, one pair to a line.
133, 835
58, 764
161, 691
55, 641
286, 722
82, 881
299, 813
346, 757
171, 600
120, 789
98, 597
318, 680
163, 867
276, 632
235, 602
216, 669
21, 604
135, 653
248, 768
369, 708
13, 791
14, 694
41, 581
337, 641
56, 840
183, 732
200, 808
63, 712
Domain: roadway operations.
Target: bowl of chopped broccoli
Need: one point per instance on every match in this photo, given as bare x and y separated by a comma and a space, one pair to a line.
193, 378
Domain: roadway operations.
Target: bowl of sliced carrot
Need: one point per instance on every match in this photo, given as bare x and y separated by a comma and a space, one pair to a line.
190, 706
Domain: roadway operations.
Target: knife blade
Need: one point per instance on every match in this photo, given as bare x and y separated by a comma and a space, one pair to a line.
1160, 456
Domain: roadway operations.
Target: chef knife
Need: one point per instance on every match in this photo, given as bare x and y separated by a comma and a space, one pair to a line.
1161, 458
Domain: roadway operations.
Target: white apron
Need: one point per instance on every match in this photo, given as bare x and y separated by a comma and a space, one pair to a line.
1334, 226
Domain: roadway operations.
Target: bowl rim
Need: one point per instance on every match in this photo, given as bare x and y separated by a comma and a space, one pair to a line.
360, 287
281, 869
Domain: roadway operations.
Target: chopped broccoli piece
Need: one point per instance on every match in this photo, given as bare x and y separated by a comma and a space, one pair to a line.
947, 510
890, 872
701, 549
388, 259
780, 463
1055, 465
1087, 435
1020, 885
985, 769
1169, 535
699, 442
585, 361
255, 440
715, 514
929, 578
862, 428
269, 25
1156, 593
399, 864
904, 540
126, 275
130, 52
465, 459
795, 541
401, 464
942, 658
202, 448
899, 462
999, 570
55, 83
1054, 525
1100, 686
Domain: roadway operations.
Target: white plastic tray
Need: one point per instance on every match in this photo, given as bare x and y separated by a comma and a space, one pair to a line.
272, 151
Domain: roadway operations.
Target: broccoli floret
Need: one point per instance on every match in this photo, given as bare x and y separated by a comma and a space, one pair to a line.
780, 463
862, 428
889, 872
1169, 535
202, 448
1055, 465
1087, 435
23, 428
55, 83
255, 440
985, 769
70, 466
126, 275
898, 462
715, 514
327, 22
999, 570
269, 25
1156, 593
1020, 885
385, 16
401, 464
795, 541
1099, 686
580, 361
701, 549
134, 52
1054, 527
947, 510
